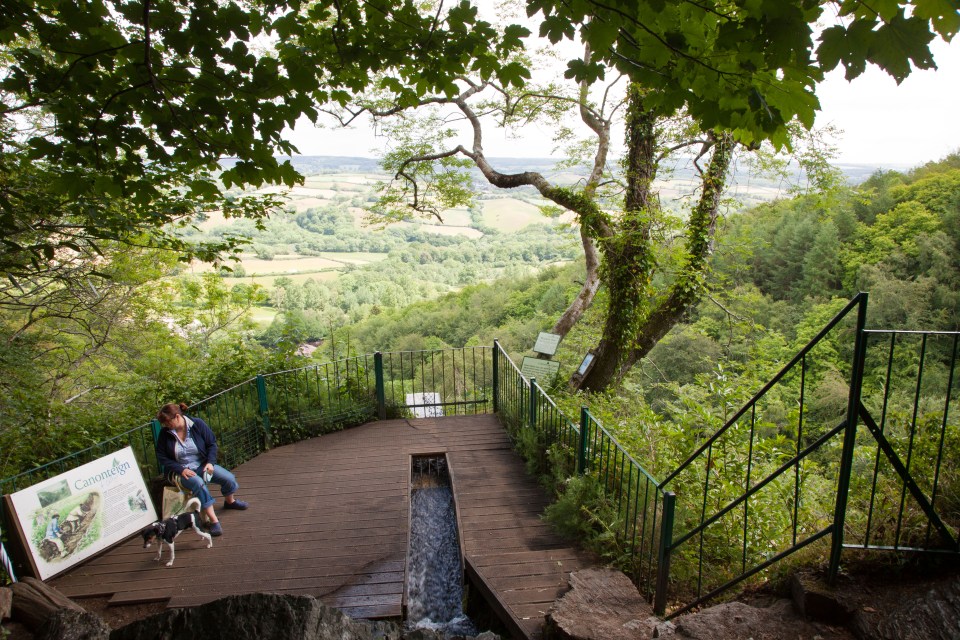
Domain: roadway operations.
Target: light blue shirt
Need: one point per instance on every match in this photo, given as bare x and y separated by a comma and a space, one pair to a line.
187, 453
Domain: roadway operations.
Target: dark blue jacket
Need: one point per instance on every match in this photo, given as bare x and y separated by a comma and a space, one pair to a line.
201, 435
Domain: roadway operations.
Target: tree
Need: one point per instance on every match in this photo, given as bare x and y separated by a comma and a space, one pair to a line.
700, 76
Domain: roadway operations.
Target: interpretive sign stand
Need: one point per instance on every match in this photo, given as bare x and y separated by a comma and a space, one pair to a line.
64, 520
543, 370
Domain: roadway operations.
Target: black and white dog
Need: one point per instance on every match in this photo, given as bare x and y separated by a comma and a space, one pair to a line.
166, 530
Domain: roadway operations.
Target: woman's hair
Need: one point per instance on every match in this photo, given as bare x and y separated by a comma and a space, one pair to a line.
170, 411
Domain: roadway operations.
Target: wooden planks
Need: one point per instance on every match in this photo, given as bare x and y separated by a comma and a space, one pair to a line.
328, 518
519, 563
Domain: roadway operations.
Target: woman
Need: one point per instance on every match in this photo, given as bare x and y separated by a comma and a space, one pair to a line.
186, 446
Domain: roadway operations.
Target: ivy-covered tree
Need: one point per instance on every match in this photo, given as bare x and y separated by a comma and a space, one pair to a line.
700, 76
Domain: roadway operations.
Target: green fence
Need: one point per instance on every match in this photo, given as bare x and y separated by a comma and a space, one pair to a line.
286, 406
557, 445
140, 439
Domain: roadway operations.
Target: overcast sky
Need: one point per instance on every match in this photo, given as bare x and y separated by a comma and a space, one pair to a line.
882, 123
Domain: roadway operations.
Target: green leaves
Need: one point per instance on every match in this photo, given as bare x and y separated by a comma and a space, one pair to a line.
944, 15
750, 66
892, 45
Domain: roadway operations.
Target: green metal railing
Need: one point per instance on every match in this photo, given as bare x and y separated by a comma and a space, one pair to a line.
551, 440
907, 449
140, 439
770, 451
285, 406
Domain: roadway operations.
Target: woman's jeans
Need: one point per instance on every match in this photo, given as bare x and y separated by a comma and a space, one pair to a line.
226, 480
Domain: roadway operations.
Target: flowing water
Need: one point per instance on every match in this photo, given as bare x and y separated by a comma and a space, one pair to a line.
434, 570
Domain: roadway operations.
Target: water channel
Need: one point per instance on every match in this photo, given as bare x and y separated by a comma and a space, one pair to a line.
434, 566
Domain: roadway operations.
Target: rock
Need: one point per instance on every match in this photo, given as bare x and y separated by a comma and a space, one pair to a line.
422, 634
34, 602
817, 600
738, 621
265, 616
70, 624
933, 616
6, 603
602, 604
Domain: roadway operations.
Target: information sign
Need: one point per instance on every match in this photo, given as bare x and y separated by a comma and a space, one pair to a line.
547, 343
587, 359
67, 519
543, 370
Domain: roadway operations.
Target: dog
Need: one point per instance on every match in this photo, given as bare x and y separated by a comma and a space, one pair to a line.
167, 530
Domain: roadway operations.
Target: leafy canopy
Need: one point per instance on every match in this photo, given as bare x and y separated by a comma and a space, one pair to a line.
748, 66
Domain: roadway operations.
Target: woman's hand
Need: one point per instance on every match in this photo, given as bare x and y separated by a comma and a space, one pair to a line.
188, 473
208, 468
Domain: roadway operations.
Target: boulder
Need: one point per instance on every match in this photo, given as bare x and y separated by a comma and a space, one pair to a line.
6, 603
602, 604
818, 600
35, 601
70, 624
934, 615
265, 616
737, 620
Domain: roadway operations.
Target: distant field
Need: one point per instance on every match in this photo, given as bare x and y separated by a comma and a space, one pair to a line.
267, 281
263, 316
355, 257
508, 214
447, 230
292, 265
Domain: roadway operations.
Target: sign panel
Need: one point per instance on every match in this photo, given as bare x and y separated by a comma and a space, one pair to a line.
425, 405
67, 519
587, 359
547, 343
543, 370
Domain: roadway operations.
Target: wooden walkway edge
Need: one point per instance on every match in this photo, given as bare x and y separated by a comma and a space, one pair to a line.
329, 518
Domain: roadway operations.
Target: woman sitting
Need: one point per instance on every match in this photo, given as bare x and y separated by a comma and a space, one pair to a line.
187, 447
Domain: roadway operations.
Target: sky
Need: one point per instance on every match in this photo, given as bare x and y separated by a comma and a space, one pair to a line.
882, 124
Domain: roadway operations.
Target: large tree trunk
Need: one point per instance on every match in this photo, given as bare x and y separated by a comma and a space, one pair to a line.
632, 327
628, 260
591, 283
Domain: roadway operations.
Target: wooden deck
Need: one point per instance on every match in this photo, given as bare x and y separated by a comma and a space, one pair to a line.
328, 518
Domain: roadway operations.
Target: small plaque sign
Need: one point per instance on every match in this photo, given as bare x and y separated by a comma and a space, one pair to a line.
587, 360
543, 370
547, 343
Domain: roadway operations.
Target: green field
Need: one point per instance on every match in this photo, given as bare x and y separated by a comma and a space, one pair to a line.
299, 278
509, 214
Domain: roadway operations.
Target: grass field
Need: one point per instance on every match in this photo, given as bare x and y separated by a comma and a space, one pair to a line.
508, 214
293, 266
263, 316
299, 278
355, 257
447, 230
